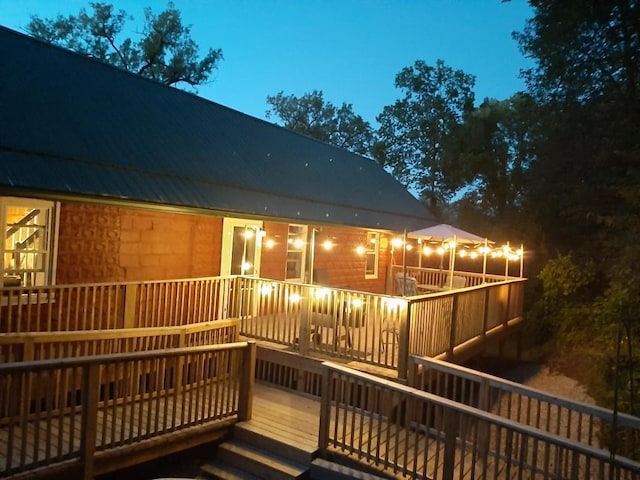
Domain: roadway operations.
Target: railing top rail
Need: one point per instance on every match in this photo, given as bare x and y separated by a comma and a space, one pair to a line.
428, 296
485, 416
310, 285
70, 362
111, 284
77, 335
456, 272
514, 387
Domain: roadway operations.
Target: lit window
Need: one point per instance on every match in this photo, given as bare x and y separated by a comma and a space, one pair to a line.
372, 249
28, 241
296, 242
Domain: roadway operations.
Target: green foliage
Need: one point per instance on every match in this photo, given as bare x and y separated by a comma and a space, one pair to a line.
414, 130
165, 52
563, 280
311, 115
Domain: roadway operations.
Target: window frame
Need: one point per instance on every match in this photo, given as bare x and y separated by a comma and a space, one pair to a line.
373, 238
302, 251
44, 275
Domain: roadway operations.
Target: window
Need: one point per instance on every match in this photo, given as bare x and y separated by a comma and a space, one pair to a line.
27, 249
296, 252
372, 249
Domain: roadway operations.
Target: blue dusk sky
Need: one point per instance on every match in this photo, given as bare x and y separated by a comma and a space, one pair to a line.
349, 49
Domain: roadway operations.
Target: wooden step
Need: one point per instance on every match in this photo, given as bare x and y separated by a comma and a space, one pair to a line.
260, 463
222, 471
325, 470
295, 445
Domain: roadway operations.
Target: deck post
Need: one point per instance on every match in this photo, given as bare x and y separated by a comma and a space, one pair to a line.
325, 411
452, 331
450, 421
403, 340
130, 304
485, 313
90, 398
305, 321
247, 379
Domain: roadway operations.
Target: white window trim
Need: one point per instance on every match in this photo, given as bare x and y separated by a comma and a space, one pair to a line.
376, 252
52, 231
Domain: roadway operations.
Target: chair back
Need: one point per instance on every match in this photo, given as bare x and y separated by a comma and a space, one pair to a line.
406, 286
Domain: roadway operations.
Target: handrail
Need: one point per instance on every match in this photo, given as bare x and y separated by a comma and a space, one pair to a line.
69, 413
397, 427
581, 422
24, 346
70, 336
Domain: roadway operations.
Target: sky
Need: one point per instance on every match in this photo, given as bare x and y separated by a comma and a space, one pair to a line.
350, 49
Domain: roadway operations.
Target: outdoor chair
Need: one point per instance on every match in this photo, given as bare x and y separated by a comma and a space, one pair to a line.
406, 286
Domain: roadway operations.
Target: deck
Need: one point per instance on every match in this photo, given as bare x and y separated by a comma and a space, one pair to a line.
128, 401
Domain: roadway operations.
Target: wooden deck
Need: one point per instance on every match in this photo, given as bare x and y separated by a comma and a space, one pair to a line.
92, 415
285, 416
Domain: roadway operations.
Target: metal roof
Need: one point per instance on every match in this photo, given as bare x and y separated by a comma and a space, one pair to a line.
72, 126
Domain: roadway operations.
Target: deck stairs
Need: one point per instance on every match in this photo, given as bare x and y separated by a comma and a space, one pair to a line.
280, 442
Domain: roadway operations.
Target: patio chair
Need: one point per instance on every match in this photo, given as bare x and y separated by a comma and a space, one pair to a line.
389, 334
406, 286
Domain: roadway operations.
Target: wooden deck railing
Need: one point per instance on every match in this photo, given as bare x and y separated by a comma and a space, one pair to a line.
102, 306
328, 321
587, 424
420, 435
20, 347
357, 326
377, 329
438, 277
443, 323
76, 412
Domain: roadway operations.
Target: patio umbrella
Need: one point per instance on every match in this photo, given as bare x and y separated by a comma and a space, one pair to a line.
448, 233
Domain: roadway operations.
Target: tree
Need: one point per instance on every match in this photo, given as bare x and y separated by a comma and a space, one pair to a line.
584, 187
311, 115
165, 52
490, 153
586, 76
413, 130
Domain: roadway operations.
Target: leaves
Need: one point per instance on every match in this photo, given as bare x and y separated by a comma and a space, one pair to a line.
165, 51
311, 115
414, 130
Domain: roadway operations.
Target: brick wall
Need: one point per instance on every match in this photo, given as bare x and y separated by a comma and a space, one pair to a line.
111, 244
343, 265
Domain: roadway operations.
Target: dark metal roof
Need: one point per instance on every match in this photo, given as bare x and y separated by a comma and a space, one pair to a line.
72, 126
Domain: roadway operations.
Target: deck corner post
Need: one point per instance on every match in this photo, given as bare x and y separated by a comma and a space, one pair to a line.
325, 411
452, 331
403, 341
90, 398
247, 382
485, 311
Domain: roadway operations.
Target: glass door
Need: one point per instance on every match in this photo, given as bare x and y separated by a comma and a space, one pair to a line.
241, 247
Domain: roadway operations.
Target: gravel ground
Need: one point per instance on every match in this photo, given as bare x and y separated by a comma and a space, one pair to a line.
541, 377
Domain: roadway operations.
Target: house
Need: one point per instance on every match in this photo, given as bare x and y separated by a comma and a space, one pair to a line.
107, 176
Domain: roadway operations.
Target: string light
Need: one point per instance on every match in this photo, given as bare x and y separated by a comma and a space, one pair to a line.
360, 250
327, 244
